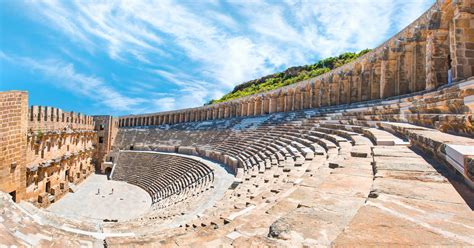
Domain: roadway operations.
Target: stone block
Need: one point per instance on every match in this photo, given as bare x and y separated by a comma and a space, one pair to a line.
460, 157
189, 150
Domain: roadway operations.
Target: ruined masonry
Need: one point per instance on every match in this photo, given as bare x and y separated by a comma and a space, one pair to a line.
378, 152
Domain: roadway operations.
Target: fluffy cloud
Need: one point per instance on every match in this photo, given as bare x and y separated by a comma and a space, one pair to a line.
66, 77
223, 43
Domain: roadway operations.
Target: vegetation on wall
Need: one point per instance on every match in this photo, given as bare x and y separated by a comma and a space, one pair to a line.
289, 76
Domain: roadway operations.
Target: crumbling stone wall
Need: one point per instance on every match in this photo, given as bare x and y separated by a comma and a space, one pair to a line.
60, 150
46, 118
418, 58
55, 159
42, 149
13, 124
107, 128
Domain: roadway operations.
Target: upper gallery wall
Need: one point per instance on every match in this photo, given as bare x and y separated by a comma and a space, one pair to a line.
420, 57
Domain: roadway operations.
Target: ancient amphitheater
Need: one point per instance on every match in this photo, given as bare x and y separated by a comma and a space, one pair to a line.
378, 152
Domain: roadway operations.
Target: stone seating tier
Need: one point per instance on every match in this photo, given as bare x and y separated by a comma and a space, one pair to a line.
366, 174
161, 175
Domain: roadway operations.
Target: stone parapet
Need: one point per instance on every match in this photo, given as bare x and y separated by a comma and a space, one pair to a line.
44, 118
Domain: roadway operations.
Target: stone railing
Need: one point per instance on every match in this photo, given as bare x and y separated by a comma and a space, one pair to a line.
417, 58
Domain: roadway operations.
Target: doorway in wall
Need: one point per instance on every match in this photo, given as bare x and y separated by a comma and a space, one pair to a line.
13, 195
48, 186
108, 170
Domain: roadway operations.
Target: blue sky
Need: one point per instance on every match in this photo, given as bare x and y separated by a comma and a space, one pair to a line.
121, 57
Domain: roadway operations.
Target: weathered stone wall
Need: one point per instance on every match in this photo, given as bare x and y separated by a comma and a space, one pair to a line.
107, 128
13, 124
46, 118
43, 149
415, 59
60, 150
56, 158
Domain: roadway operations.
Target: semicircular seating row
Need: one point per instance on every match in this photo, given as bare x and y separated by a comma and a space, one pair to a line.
332, 176
370, 155
161, 175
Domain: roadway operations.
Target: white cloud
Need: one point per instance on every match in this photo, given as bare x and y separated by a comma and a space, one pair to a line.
227, 46
165, 103
66, 77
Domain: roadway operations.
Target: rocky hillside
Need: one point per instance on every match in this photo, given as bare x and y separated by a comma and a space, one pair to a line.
289, 76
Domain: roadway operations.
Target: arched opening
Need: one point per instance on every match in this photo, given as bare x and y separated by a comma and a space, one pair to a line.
108, 171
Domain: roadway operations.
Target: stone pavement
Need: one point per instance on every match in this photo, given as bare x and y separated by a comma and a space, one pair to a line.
126, 202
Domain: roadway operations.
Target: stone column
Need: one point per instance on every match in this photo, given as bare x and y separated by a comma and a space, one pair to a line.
226, 111
258, 106
250, 107
266, 104
233, 109
213, 113
220, 111
202, 114
243, 108
176, 118
375, 75
355, 83
307, 96
274, 103
333, 82
344, 86
403, 69
280, 105
324, 91
316, 93
461, 34
290, 100
388, 72
297, 98
419, 63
